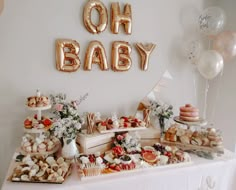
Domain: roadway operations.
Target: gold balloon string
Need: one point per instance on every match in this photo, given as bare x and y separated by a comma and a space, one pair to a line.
219, 84
205, 99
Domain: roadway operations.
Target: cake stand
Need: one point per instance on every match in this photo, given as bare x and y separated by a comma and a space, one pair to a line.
201, 122
38, 131
55, 149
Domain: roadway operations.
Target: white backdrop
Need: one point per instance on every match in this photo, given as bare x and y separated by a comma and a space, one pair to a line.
29, 28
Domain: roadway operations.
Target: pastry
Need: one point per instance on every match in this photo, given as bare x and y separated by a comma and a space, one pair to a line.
34, 148
205, 141
196, 141
41, 147
189, 113
28, 123
38, 101
184, 139
216, 143
180, 155
180, 132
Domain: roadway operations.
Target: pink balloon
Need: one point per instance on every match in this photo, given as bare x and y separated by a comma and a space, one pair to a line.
225, 44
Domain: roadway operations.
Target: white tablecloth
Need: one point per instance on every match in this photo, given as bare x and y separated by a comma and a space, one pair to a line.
201, 174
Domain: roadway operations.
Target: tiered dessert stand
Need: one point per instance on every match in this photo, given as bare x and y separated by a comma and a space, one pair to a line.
36, 132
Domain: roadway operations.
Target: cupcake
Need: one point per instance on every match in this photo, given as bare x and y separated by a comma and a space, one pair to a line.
41, 147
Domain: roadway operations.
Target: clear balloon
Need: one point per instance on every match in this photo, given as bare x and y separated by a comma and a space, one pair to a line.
192, 49
225, 44
117, 18
210, 64
212, 20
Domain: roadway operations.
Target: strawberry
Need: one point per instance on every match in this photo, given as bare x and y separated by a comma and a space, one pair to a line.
125, 125
167, 154
117, 168
110, 121
27, 122
47, 122
91, 158
112, 166
134, 124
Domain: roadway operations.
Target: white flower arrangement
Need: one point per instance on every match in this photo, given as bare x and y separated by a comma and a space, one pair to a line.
162, 111
68, 122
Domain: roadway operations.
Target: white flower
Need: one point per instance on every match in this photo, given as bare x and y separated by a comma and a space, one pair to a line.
78, 126
99, 160
127, 138
84, 160
97, 116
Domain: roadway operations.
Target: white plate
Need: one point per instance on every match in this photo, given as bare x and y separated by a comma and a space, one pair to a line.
41, 153
39, 108
200, 122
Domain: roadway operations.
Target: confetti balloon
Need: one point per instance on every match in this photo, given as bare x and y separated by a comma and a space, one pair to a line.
192, 49
212, 20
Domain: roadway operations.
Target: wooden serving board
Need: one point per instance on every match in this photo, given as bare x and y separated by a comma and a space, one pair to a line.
130, 172
219, 150
122, 129
48, 182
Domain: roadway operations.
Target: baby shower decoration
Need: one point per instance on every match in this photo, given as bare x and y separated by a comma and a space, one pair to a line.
67, 50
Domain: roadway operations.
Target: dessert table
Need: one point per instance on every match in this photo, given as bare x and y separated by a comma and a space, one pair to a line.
200, 174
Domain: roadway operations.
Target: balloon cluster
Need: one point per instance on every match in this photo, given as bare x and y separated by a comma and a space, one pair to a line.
211, 62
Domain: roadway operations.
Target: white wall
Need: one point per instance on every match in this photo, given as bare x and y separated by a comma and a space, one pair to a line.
29, 28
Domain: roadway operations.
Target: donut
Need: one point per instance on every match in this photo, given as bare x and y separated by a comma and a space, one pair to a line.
190, 119
189, 114
188, 109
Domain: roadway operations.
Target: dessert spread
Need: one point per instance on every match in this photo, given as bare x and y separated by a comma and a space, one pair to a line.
34, 123
209, 137
41, 169
30, 144
119, 160
121, 123
38, 101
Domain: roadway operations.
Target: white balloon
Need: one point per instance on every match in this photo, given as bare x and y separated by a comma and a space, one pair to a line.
212, 20
192, 49
210, 64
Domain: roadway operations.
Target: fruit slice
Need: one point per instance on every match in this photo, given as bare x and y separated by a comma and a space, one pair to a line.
149, 157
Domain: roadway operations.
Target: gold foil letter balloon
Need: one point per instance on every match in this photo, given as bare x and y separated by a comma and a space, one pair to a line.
103, 17
95, 54
145, 52
117, 18
67, 59
121, 60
